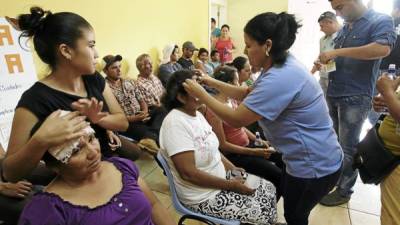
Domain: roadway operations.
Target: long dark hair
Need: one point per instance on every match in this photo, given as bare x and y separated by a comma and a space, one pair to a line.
50, 30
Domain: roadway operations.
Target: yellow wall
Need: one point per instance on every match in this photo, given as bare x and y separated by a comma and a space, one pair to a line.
129, 27
241, 11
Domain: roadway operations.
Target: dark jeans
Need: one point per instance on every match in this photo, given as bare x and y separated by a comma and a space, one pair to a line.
348, 115
301, 195
150, 129
11, 208
140, 130
128, 150
261, 167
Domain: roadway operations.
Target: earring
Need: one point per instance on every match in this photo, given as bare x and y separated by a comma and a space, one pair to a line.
267, 53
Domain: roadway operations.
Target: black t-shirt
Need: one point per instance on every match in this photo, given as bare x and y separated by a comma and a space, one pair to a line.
186, 63
394, 57
42, 100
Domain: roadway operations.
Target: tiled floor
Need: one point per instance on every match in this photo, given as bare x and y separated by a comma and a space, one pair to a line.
363, 208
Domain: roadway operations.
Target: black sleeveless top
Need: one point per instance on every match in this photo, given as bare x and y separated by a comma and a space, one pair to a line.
42, 100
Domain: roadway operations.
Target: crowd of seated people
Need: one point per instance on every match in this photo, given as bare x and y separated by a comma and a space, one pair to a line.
141, 127
76, 121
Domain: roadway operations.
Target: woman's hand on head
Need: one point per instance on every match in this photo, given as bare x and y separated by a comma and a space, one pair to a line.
203, 78
90, 108
57, 129
194, 89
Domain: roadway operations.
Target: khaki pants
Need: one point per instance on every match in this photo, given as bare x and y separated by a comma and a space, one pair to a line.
390, 198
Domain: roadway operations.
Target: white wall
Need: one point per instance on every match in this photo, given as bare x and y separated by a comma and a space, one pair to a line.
219, 7
241, 11
306, 46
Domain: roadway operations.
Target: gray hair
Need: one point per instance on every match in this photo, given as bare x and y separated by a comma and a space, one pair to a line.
139, 60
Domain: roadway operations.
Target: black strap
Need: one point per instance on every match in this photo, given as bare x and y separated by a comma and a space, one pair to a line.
379, 121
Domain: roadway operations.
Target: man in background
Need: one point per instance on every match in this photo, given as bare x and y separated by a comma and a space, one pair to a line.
329, 26
364, 40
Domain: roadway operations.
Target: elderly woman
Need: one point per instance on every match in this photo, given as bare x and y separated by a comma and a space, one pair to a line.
88, 190
389, 131
190, 147
169, 63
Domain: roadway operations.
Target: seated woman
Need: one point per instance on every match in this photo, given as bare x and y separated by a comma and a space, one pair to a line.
190, 147
243, 67
237, 144
88, 190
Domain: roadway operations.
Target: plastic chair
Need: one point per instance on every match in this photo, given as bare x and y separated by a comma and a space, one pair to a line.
187, 213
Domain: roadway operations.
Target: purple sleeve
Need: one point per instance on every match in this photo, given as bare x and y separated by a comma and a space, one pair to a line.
33, 212
126, 166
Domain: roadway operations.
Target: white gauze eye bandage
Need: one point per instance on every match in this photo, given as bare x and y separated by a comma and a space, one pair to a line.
64, 151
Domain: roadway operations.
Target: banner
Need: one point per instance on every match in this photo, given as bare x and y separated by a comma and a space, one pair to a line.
17, 73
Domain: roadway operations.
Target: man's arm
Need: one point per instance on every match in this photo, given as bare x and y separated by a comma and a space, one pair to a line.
366, 52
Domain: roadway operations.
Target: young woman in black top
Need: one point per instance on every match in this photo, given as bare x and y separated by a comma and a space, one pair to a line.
65, 41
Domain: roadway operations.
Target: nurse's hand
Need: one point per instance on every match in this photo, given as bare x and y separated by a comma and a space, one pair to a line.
194, 89
203, 78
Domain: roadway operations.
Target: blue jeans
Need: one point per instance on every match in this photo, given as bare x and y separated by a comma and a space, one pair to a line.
324, 82
348, 115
